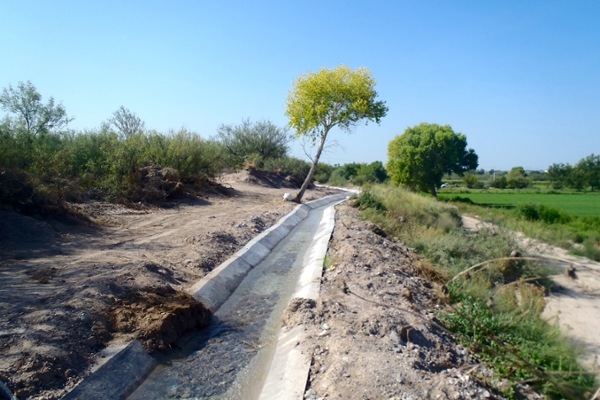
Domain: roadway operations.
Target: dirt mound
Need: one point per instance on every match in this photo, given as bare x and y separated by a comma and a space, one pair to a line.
155, 184
158, 316
15, 227
262, 178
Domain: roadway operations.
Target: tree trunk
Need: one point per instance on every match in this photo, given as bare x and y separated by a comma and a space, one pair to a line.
433, 191
311, 173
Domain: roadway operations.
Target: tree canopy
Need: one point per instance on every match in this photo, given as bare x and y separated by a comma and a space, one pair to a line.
585, 173
32, 115
126, 122
246, 141
421, 156
338, 97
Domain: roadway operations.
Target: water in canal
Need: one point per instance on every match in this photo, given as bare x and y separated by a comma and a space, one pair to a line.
230, 359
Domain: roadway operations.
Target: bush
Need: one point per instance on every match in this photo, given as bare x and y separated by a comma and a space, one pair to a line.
337, 178
294, 167
260, 140
470, 180
323, 172
499, 183
549, 215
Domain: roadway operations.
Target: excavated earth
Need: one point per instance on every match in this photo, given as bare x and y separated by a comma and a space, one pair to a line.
70, 288
373, 333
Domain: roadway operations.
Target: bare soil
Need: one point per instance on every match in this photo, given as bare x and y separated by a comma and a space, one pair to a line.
69, 288
373, 333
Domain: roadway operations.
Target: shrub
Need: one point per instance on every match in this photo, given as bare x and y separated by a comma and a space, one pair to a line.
294, 167
529, 212
323, 172
262, 139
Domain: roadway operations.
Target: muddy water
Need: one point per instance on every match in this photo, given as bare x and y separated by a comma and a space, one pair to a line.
230, 359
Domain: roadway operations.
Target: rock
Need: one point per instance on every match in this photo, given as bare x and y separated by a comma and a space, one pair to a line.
91, 341
394, 337
288, 197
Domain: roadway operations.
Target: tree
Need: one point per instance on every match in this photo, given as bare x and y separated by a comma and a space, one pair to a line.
263, 140
590, 169
421, 156
34, 116
126, 122
499, 183
558, 175
320, 101
470, 180
517, 178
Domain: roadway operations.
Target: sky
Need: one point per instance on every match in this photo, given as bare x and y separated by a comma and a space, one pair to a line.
521, 79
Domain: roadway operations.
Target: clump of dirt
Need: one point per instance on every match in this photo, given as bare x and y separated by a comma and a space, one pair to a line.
158, 316
373, 333
154, 184
263, 178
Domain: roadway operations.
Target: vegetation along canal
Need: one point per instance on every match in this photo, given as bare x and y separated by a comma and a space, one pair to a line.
229, 360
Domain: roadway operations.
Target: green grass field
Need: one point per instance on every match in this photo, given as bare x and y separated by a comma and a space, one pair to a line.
582, 204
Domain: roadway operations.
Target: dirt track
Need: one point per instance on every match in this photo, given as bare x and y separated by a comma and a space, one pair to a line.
68, 290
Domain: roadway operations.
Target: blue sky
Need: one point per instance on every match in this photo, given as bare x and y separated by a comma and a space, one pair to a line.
520, 78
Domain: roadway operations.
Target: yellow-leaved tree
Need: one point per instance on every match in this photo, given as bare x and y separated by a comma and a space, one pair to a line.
320, 101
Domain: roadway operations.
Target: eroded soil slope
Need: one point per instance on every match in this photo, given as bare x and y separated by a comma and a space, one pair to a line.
373, 333
68, 290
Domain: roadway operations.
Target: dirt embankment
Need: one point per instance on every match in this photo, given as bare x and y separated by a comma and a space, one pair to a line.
373, 332
68, 290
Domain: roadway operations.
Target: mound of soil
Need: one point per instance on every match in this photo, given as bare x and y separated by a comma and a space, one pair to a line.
262, 178
158, 316
155, 184
373, 333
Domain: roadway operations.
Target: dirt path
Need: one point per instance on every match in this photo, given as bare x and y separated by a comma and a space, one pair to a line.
575, 306
69, 290
373, 333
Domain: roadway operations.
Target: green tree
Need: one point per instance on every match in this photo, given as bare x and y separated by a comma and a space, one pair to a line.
321, 101
263, 140
421, 156
32, 115
590, 168
558, 175
126, 122
499, 183
517, 178
470, 180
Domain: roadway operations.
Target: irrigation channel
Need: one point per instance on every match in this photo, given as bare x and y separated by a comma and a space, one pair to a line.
230, 358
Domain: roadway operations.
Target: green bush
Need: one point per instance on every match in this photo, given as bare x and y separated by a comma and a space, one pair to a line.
296, 168
549, 215
323, 172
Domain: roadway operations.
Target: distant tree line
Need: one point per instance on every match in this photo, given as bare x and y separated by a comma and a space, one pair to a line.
584, 174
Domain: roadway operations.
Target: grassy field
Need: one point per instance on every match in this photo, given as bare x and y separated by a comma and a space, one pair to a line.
582, 204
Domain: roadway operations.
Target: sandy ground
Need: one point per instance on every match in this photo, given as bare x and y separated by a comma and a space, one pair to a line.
68, 290
373, 332
575, 304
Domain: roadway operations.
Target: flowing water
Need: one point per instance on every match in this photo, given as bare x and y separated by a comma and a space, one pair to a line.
230, 359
